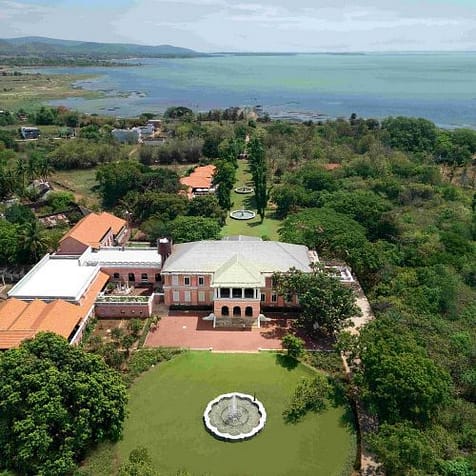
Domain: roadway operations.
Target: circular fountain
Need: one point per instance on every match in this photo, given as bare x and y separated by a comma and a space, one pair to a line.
234, 416
242, 214
244, 189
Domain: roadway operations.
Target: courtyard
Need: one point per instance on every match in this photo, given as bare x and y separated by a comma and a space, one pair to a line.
165, 411
189, 330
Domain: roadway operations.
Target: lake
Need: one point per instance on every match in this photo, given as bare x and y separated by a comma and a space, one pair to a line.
437, 86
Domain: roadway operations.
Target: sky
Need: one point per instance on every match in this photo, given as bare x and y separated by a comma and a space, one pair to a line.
251, 25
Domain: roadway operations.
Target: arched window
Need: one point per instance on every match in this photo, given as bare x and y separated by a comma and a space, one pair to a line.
237, 311
225, 311
248, 311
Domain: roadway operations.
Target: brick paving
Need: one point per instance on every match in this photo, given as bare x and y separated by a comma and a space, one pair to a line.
191, 331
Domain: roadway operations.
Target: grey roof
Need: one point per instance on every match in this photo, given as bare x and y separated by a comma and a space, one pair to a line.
209, 256
241, 238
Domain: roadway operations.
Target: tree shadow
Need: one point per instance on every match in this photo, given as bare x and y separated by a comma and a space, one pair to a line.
287, 362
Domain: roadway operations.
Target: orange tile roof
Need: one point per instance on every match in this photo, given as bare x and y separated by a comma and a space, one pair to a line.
20, 320
10, 339
10, 310
114, 222
91, 229
93, 291
201, 177
60, 317
30, 316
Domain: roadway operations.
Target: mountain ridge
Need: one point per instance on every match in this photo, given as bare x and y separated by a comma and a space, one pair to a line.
55, 47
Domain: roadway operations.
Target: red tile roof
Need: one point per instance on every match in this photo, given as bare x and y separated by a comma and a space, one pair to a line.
91, 229
21, 320
201, 177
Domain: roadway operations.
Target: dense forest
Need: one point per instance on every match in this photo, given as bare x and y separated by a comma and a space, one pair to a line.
395, 199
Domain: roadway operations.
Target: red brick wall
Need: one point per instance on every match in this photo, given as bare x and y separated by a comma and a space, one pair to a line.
124, 273
241, 303
122, 310
70, 246
193, 288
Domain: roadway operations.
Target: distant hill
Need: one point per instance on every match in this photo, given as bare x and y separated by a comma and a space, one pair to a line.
36, 46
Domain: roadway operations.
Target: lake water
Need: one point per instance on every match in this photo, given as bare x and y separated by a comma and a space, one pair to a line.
437, 86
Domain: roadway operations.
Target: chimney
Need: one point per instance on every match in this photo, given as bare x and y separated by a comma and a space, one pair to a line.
164, 248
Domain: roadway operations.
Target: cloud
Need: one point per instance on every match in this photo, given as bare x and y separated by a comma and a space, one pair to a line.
251, 25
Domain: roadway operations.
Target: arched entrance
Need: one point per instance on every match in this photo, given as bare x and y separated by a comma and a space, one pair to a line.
237, 311
225, 311
249, 311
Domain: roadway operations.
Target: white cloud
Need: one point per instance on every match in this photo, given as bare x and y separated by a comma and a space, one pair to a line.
251, 25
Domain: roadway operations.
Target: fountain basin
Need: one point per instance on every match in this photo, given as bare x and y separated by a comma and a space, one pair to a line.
242, 214
244, 189
234, 416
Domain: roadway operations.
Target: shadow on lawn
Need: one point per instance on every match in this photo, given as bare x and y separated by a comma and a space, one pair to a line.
287, 362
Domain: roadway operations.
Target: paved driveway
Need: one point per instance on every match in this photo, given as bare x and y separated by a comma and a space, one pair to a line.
189, 330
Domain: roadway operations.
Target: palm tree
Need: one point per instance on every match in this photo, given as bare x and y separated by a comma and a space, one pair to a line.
33, 241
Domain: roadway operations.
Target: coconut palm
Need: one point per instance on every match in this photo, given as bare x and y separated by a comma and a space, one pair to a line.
33, 241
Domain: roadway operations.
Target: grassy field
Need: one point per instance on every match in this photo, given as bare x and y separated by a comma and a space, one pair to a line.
29, 91
165, 415
80, 182
254, 227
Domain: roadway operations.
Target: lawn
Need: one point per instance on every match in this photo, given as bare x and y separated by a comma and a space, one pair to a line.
165, 415
254, 227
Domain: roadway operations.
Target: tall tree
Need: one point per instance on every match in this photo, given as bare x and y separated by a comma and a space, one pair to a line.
326, 304
55, 402
259, 173
33, 241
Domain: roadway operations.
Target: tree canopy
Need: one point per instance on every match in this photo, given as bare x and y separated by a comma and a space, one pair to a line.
55, 401
326, 304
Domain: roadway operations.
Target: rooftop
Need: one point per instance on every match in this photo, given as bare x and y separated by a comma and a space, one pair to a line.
92, 228
209, 256
55, 278
201, 177
20, 320
121, 256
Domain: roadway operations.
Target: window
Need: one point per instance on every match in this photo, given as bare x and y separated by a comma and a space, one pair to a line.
274, 297
201, 296
289, 298
249, 293
224, 292
248, 311
237, 293
237, 311
186, 280
175, 296
187, 296
132, 277
174, 280
225, 311
201, 280
157, 278
144, 277
116, 275
263, 297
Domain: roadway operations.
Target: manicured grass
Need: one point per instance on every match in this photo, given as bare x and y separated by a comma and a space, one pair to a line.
254, 227
165, 415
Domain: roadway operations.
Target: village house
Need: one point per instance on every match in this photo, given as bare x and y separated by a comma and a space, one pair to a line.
200, 181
